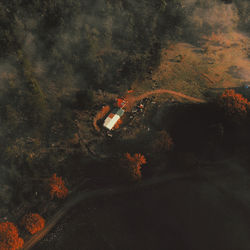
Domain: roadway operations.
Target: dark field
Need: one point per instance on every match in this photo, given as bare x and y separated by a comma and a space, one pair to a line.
200, 212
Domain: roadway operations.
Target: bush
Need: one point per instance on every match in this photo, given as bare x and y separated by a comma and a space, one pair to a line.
57, 187
33, 223
9, 237
133, 164
234, 104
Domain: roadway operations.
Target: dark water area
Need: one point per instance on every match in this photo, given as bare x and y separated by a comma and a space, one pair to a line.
182, 214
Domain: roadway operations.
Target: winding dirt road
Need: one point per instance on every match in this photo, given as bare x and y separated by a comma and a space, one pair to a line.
104, 192
133, 99
164, 91
29, 243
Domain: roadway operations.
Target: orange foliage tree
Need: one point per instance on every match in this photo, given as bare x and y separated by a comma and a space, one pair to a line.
57, 187
9, 237
234, 103
33, 223
134, 164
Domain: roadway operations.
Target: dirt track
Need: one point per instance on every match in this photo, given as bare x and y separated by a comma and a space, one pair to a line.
133, 99
226, 198
163, 91
93, 194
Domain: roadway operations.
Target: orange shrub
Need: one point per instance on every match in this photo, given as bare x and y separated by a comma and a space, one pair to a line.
33, 223
233, 103
9, 237
134, 165
57, 187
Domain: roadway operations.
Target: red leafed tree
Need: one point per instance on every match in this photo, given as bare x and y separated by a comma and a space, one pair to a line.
234, 103
134, 164
57, 187
9, 237
33, 223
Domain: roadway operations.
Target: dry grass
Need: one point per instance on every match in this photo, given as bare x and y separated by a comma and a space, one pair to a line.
192, 70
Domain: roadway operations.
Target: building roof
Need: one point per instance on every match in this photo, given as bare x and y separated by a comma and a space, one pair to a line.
113, 118
120, 112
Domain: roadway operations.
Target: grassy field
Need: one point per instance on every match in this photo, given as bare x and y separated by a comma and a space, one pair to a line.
221, 61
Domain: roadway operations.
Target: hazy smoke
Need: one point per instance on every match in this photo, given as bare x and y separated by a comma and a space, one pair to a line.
206, 16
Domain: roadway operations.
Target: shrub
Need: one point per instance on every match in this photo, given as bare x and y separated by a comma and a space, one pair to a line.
234, 104
57, 187
33, 223
134, 165
9, 237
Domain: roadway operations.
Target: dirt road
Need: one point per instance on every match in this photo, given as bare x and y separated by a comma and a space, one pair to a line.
213, 177
133, 99
94, 194
164, 91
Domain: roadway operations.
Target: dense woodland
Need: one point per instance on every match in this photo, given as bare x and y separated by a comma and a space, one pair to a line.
56, 53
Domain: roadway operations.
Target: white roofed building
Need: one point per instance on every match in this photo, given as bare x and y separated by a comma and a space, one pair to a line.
113, 118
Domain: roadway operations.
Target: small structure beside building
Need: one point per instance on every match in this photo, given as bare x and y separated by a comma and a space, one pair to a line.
113, 118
